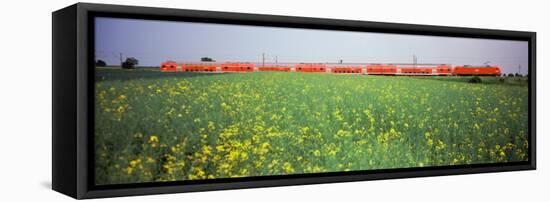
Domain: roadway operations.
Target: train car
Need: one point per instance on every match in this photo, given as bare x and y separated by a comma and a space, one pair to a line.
310, 68
444, 70
467, 70
346, 70
168, 66
237, 67
275, 68
421, 70
199, 67
382, 69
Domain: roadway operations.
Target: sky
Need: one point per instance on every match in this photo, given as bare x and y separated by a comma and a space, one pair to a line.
153, 42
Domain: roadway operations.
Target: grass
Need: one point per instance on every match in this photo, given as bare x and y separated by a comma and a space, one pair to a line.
154, 126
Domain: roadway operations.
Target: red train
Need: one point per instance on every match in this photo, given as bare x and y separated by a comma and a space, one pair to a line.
275, 68
368, 69
381, 69
347, 70
168, 66
477, 70
237, 67
310, 67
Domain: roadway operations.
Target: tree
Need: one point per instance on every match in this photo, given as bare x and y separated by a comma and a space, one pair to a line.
207, 59
130, 63
510, 75
100, 63
518, 75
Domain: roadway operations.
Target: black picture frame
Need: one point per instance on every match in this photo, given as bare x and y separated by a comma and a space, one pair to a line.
72, 98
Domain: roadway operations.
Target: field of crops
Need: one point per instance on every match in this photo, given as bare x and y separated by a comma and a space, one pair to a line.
154, 126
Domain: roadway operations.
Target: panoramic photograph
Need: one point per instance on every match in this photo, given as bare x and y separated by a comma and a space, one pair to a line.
183, 101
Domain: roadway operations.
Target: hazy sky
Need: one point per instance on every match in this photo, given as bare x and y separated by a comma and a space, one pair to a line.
153, 42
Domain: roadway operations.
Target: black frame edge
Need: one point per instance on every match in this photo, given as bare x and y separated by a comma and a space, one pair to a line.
533, 99
310, 22
170, 189
84, 104
64, 145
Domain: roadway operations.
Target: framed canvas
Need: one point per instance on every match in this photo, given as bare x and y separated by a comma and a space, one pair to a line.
156, 100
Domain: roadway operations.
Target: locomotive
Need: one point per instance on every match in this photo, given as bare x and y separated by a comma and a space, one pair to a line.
363, 69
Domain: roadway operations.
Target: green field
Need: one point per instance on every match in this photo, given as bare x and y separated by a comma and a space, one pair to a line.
154, 126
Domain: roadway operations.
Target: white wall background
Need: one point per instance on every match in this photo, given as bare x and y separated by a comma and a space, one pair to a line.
25, 99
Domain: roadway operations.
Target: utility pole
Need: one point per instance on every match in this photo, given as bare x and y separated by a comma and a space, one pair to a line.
276, 61
519, 69
414, 61
120, 54
263, 59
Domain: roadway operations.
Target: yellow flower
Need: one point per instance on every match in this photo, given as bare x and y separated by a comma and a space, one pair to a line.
211, 125
304, 130
332, 152
317, 153
233, 155
440, 145
168, 168
207, 150
129, 170
134, 163
153, 139
244, 156
120, 109
288, 167
427, 135
220, 148
200, 173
